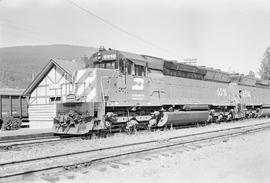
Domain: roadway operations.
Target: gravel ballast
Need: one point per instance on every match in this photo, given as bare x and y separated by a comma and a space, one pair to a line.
29, 152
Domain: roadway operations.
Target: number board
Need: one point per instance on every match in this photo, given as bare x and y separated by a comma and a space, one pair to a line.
109, 57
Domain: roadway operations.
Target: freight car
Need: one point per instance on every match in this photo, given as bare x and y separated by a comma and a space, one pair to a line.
119, 90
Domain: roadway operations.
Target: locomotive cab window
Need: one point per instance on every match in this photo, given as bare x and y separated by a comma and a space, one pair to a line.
105, 65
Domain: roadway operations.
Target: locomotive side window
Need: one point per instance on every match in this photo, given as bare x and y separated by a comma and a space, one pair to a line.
129, 67
121, 66
116, 63
133, 69
139, 70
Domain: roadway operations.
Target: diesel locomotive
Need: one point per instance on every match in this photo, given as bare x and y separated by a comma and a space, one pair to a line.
119, 90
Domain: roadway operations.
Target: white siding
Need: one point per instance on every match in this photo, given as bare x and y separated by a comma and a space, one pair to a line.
50, 92
41, 91
41, 108
41, 116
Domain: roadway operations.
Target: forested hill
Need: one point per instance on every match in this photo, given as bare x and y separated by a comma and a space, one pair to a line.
17, 64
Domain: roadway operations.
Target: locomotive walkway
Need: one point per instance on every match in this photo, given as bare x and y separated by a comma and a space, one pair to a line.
90, 157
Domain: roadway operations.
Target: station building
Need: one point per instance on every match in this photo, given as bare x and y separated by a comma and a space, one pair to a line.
51, 86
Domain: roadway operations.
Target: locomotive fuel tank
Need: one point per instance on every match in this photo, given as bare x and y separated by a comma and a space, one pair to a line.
183, 117
264, 112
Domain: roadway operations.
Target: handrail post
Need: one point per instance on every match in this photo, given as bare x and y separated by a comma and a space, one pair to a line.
10, 107
1, 106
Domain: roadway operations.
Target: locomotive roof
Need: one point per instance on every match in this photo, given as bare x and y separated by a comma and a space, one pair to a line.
160, 64
136, 58
153, 62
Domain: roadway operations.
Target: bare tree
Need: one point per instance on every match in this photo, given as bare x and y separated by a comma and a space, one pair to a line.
264, 71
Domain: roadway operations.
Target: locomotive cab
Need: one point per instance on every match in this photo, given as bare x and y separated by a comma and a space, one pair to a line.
122, 61
111, 80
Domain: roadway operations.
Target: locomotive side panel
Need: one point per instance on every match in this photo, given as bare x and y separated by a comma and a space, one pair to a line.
157, 95
190, 91
252, 95
137, 90
262, 95
249, 95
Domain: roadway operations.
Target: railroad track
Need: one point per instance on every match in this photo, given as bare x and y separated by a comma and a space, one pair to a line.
14, 143
91, 156
31, 141
10, 144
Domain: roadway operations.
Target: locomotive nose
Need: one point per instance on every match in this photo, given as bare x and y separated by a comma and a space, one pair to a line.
85, 84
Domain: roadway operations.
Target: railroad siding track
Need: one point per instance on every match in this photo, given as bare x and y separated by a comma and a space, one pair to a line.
36, 140
27, 139
88, 157
16, 144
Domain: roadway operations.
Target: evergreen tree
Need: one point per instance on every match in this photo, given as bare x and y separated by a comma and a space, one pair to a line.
264, 71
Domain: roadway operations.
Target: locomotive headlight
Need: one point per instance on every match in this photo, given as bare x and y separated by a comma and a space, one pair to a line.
99, 56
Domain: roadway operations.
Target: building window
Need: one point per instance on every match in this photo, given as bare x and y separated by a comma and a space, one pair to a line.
55, 99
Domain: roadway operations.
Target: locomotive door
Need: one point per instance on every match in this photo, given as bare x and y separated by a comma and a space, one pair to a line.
121, 85
136, 83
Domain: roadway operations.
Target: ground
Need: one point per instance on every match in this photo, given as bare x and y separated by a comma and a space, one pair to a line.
238, 159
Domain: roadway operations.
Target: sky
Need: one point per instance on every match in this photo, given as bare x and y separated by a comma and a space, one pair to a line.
231, 35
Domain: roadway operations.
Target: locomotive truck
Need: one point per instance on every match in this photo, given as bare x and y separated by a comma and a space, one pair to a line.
120, 90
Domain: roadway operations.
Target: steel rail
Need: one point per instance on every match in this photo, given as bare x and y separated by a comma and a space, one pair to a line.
26, 139
33, 141
136, 151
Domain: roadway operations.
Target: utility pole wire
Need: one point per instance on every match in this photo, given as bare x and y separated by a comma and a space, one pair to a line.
119, 28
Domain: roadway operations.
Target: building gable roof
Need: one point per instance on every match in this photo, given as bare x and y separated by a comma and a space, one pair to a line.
66, 66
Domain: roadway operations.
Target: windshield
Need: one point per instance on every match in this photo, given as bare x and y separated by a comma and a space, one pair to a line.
106, 65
